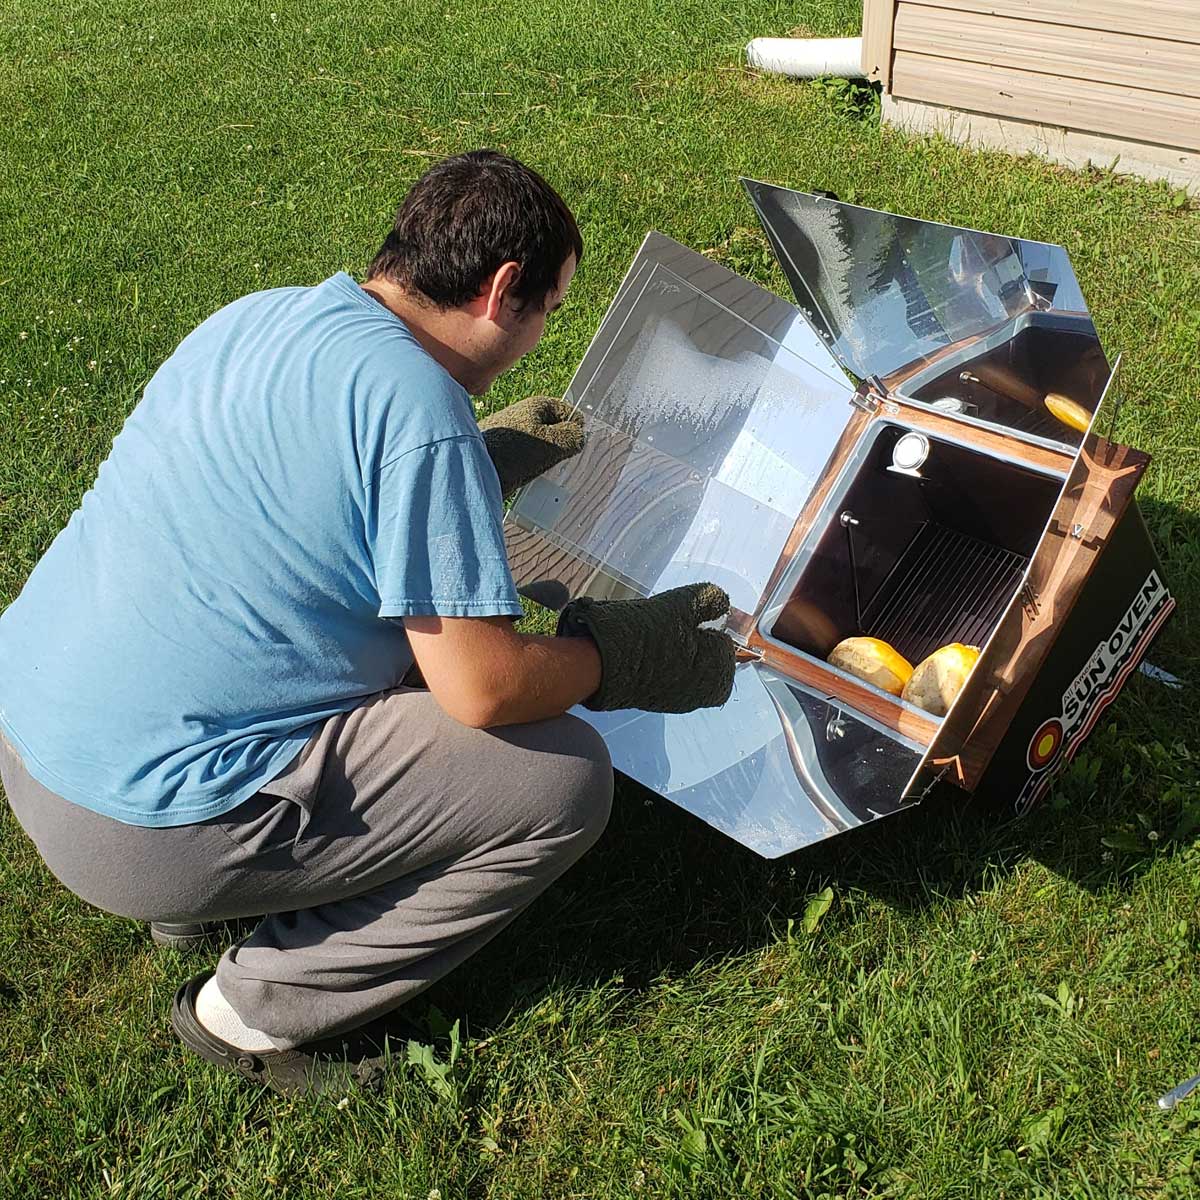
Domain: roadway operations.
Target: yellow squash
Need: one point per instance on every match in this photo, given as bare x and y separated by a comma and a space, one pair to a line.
1066, 410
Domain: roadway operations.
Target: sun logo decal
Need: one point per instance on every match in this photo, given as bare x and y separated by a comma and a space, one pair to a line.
1045, 744
1057, 739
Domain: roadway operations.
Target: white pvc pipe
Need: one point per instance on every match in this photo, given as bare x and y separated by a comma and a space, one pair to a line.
806, 58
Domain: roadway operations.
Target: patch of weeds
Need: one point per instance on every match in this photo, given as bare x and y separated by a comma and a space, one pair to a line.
1064, 1002
745, 252
1079, 782
1168, 1158
839, 1160
439, 1076
1181, 200
1135, 840
1180, 948
854, 99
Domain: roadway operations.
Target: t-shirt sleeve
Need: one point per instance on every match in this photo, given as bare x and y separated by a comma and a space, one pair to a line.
435, 534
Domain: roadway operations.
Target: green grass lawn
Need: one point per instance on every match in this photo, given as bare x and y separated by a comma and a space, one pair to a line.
985, 1010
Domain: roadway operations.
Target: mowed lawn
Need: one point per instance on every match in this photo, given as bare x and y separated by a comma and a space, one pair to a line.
985, 1009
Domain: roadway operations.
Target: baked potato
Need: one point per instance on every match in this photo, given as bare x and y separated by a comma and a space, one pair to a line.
873, 661
937, 680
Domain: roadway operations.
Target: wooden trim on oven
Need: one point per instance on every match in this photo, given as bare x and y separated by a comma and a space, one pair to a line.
881, 708
851, 435
1004, 445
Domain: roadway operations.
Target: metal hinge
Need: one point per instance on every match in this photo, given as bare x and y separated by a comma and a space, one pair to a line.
928, 788
1030, 601
872, 397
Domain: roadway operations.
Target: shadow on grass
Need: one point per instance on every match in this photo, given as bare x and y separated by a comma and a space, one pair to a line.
662, 891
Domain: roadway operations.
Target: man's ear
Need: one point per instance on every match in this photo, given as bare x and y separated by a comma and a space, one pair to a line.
499, 289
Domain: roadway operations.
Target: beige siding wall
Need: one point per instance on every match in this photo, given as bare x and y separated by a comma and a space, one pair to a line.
1121, 68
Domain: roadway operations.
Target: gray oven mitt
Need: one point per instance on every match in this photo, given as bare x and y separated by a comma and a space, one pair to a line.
653, 655
529, 437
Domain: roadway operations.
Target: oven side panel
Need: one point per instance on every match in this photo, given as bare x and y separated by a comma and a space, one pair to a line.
1097, 494
1123, 606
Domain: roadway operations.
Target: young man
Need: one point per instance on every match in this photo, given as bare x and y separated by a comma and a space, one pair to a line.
202, 713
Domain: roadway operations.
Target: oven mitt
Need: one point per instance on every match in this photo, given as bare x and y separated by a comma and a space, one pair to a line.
653, 655
529, 437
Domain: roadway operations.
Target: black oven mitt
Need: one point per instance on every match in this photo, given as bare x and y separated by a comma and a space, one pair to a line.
653, 654
529, 437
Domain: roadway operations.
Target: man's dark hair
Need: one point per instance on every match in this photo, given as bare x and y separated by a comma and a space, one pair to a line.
467, 216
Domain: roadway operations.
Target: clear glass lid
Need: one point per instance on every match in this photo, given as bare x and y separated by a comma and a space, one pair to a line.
711, 412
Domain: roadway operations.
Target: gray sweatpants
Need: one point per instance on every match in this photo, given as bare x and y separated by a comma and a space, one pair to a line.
396, 844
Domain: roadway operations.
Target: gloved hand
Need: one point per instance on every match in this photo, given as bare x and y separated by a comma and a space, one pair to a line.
529, 437
653, 656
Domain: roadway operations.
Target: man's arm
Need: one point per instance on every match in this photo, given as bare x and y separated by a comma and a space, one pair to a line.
659, 654
484, 674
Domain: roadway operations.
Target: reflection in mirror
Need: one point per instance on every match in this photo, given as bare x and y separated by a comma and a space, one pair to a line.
984, 327
777, 768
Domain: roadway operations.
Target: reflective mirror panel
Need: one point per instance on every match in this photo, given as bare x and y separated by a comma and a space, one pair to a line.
985, 327
711, 411
777, 768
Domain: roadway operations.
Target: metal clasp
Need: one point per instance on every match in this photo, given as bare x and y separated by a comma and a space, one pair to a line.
836, 728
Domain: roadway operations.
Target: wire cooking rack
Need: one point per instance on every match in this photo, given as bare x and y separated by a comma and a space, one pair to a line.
1039, 423
946, 587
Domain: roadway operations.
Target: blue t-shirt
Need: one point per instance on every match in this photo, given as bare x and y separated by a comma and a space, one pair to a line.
299, 470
